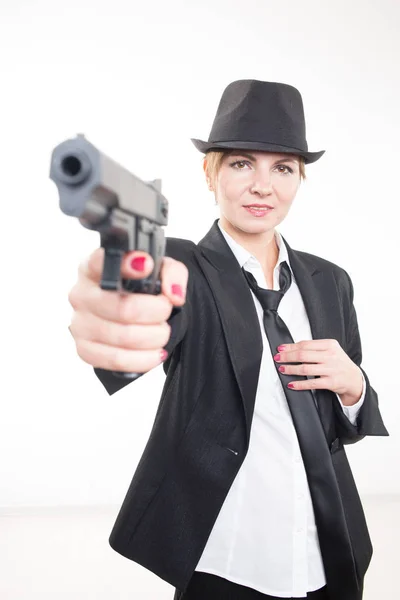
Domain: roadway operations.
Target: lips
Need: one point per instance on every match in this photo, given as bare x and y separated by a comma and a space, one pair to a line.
258, 206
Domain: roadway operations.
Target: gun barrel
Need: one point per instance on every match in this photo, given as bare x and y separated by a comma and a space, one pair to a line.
86, 177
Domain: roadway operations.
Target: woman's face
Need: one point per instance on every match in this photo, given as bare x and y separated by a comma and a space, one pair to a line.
253, 177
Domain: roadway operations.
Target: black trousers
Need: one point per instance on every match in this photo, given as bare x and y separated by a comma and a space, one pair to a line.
205, 586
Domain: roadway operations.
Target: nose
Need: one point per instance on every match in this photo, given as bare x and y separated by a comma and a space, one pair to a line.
262, 185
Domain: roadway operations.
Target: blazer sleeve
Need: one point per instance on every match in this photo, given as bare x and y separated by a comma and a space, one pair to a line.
369, 419
179, 322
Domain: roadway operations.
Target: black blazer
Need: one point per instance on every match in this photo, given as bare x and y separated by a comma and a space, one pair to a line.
201, 431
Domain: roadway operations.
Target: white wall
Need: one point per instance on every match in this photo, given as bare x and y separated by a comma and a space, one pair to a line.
139, 79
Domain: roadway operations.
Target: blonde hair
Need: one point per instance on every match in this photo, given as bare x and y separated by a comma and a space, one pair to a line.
214, 160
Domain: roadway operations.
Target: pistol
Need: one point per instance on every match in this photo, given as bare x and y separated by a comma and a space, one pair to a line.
127, 212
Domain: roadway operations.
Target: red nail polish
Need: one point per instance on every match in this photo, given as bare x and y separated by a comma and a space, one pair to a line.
138, 263
177, 290
281, 348
277, 357
281, 369
163, 355
290, 385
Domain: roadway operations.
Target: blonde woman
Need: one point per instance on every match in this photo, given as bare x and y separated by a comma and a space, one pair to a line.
244, 490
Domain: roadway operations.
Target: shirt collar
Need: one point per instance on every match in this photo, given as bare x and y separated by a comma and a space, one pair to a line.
245, 258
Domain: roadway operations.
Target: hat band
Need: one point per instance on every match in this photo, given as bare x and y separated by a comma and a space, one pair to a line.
256, 142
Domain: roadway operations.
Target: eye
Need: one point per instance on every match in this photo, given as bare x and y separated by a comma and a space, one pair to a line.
289, 170
239, 164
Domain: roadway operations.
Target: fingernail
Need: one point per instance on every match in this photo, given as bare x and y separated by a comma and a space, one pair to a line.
177, 290
138, 263
163, 355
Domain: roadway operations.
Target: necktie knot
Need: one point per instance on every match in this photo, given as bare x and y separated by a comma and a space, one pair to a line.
270, 299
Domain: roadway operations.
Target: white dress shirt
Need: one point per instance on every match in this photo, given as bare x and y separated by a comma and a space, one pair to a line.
265, 535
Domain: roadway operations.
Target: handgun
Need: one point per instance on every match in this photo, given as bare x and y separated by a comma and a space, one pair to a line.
127, 212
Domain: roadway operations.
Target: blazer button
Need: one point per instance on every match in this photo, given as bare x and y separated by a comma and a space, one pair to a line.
335, 445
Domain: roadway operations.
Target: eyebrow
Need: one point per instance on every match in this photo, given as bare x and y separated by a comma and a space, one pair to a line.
253, 158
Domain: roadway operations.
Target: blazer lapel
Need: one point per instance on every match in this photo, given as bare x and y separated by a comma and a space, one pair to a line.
239, 317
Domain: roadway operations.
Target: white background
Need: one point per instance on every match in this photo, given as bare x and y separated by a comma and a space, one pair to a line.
139, 79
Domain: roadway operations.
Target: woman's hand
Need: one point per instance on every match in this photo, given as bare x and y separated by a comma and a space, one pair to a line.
125, 332
327, 360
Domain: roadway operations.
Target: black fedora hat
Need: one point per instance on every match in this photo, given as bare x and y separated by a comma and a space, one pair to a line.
260, 115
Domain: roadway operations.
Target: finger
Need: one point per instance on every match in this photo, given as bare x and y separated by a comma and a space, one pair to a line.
305, 370
137, 265
310, 384
318, 344
301, 356
174, 280
89, 327
129, 309
112, 358
134, 265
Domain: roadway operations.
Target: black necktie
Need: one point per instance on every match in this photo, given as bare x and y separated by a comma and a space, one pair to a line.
329, 515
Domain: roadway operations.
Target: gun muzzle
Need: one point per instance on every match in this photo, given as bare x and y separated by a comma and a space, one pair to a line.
73, 168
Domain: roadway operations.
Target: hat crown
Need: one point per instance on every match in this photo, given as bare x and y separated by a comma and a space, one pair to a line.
260, 115
260, 111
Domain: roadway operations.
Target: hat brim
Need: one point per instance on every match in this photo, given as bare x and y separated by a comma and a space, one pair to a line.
309, 157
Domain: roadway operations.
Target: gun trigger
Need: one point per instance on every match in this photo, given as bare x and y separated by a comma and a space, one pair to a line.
111, 278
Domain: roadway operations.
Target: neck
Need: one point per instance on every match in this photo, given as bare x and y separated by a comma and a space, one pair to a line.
262, 246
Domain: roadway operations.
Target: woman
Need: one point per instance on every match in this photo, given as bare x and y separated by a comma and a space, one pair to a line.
244, 490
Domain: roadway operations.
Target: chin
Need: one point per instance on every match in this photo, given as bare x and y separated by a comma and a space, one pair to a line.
257, 227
